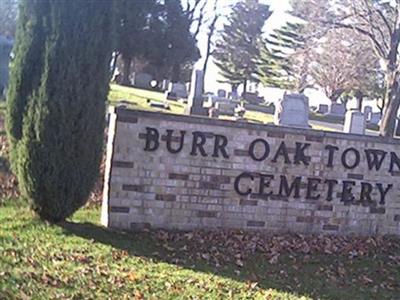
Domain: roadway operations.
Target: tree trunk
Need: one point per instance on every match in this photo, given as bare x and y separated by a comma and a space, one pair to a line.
208, 53
360, 99
382, 106
234, 88
392, 102
244, 87
176, 70
209, 39
127, 71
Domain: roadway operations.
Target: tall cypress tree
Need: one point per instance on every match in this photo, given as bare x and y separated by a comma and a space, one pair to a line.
238, 47
56, 101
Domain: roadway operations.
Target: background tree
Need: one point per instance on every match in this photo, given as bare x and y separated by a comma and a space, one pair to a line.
181, 44
8, 17
133, 18
344, 64
238, 47
379, 22
285, 58
55, 113
157, 35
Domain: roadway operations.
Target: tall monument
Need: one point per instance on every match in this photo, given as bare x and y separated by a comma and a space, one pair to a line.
195, 100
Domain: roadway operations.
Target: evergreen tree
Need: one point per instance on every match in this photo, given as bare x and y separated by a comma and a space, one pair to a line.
175, 52
284, 59
238, 47
56, 101
157, 33
133, 19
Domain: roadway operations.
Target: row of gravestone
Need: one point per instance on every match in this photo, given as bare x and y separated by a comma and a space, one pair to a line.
292, 110
339, 110
226, 102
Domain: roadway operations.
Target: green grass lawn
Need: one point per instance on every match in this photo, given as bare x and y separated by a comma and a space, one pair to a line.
82, 260
139, 99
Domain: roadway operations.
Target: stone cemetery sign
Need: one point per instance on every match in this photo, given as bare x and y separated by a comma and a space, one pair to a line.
182, 172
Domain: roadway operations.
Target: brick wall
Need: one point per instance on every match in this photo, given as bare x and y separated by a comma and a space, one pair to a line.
181, 172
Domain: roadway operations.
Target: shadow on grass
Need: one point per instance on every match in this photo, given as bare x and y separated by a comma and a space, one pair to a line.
146, 244
319, 277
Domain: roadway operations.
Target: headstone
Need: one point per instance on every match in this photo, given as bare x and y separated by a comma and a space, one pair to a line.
225, 108
292, 111
354, 122
367, 112
195, 100
233, 95
179, 89
171, 96
337, 109
164, 85
253, 98
211, 100
269, 108
221, 93
323, 109
5, 50
375, 118
142, 80
397, 130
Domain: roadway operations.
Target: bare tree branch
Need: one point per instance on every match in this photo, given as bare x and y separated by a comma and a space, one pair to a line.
200, 19
380, 51
385, 20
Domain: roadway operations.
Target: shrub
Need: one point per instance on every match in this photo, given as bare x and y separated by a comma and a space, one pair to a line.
56, 101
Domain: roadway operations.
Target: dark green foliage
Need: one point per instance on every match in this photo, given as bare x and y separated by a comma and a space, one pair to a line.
238, 47
284, 58
157, 33
56, 101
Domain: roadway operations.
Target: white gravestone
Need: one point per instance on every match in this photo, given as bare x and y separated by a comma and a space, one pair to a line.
195, 100
292, 111
354, 122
